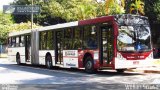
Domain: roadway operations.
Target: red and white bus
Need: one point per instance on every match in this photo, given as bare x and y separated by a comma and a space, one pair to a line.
118, 42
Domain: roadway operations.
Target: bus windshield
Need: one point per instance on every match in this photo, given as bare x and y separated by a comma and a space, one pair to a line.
134, 38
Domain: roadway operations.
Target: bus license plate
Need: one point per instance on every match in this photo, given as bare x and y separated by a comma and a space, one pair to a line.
135, 62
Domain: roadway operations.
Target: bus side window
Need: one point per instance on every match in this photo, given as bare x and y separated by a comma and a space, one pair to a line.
17, 41
68, 38
90, 37
13, 42
77, 38
43, 41
49, 40
21, 41
10, 42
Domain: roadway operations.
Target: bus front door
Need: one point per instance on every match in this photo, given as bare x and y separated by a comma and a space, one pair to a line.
106, 44
27, 47
59, 47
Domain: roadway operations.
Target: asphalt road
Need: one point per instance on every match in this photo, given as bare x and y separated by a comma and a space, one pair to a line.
39, 78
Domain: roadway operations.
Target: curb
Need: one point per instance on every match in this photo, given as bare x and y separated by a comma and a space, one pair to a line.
151, 71
143, 71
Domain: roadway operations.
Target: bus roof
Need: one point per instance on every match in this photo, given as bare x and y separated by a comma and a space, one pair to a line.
77, 23
72, 24
16, 33
58, 26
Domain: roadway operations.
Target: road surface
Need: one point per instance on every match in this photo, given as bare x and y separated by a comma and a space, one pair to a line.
24, 75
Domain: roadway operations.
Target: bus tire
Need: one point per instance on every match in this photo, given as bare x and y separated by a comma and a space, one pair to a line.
89, 65
18, 59
49, 62
120, 70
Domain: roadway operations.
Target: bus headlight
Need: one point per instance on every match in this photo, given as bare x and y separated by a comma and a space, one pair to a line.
150, 56
119, 56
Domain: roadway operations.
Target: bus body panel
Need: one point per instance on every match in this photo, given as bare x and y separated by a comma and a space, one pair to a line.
70, 58
135, 55
125, 64
42, 56
93, 53
12, 52
80, 58
122, 62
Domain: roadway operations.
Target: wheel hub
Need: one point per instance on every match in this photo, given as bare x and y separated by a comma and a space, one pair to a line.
89, 65
48, 63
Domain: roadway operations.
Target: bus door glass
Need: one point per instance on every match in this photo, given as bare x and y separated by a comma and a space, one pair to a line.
59, 47
107, 43
27, 47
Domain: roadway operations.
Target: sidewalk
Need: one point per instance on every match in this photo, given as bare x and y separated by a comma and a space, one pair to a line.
3, 55
5, 60
154, 69
151, 69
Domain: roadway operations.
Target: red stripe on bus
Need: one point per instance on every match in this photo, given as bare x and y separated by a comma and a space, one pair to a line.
96, 20
136, 55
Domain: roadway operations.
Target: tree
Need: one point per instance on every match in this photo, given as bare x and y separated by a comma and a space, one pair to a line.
115, 7
7, 25
137, 7
43, 18
22, 26
72, 10
21, 18
157, 10
152, 11
5, 21
124, 6
60, 11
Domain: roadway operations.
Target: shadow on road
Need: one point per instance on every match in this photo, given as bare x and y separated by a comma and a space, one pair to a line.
74, 87
56, 71
42, 75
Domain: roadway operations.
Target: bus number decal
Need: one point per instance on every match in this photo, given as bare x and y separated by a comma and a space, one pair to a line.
72, 53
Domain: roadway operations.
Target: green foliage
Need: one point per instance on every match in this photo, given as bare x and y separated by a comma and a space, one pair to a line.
22, 26
7, 25
72, 10
5, 22
152, 11
124, 6
59, 11
157, 10
114, 7
137, 7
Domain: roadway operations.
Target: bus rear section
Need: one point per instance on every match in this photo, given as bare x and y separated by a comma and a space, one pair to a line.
19, 47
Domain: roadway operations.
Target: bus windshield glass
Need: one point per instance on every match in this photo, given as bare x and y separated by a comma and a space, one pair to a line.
134, 35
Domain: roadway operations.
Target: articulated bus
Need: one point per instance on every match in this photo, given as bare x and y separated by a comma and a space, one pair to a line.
116, 42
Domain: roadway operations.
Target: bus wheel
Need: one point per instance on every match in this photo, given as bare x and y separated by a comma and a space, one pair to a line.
89, 65
120, 70
48, 62
18, 59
